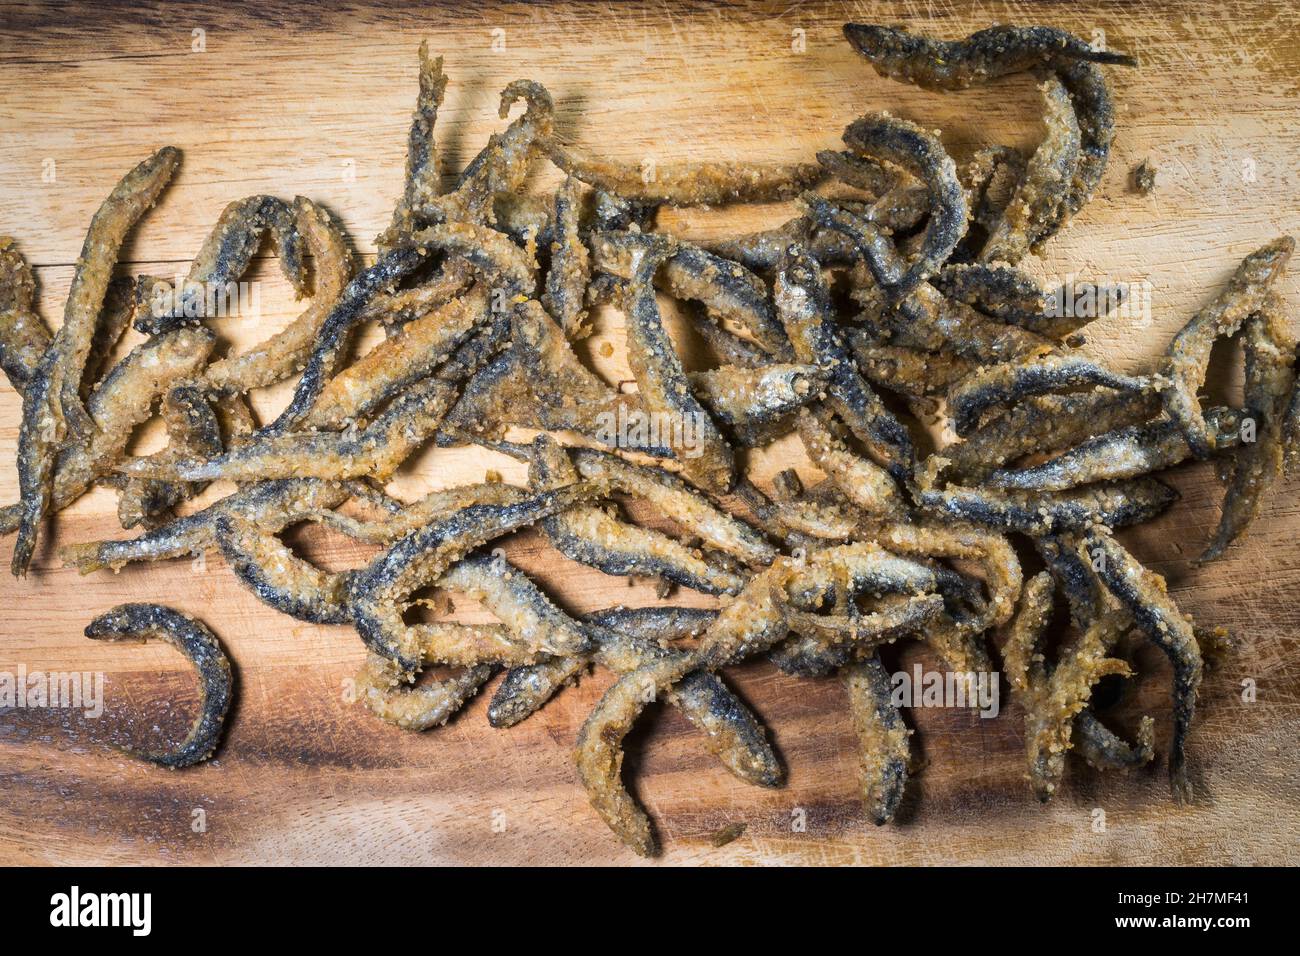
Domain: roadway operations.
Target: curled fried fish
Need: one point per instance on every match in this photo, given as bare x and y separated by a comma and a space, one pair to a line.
753, 620
284, 353
906, 145
142, 622
1000, 51
1096, 114
420, 558
1270, 379
1145, 595
1065, 695
1188, 355
387, 693
503, 164
727, 289
223, 259
705, 458
1103, 750
752, 623
1055, 696
599, 750
277, 576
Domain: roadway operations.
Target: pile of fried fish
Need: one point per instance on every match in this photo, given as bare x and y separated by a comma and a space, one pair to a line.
892, 299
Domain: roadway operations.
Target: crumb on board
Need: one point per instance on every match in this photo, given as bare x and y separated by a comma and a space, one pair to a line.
728, 834
1143, 177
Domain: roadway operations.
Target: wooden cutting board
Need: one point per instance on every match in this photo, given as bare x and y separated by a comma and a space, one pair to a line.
280, 100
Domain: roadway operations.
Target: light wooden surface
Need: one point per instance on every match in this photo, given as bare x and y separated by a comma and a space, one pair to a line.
288, 101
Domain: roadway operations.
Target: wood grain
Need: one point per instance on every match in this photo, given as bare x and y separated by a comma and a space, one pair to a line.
316, 103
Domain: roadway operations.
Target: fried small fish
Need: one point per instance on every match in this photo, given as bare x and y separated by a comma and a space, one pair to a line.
1039, 207
918, 152
143, 622
1004, 384
387, 692
706, 459
566, 282
422, 183
421, 556
1188, 355
1122, 453
1270, 380
223, 259
985, 54
1146, 597
804, 307
883, 745
52, 400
